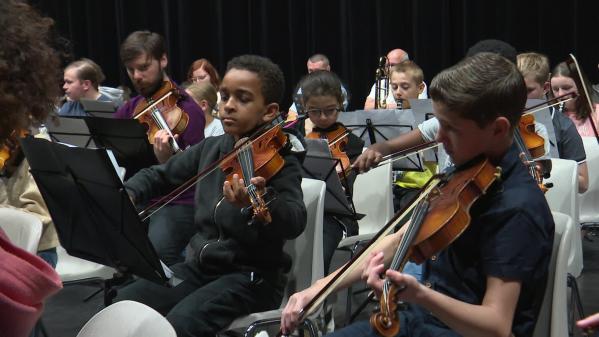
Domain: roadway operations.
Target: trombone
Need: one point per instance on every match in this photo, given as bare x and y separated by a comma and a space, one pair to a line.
381, 85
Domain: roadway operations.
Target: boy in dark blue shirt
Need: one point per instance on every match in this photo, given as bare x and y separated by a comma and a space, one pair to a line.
490, 280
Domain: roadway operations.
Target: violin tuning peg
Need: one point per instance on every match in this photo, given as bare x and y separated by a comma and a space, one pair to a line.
498, 172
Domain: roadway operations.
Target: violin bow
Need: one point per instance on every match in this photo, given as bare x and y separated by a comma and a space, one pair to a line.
163, 201
583, 82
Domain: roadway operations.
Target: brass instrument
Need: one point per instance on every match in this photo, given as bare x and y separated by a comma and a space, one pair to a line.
381, 85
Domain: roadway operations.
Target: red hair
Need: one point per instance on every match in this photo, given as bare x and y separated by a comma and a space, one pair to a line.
203, 63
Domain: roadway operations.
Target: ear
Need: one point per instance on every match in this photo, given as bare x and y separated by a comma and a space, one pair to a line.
163, 61
501, 127
204, 105
420, 88
271, 112
87, 84
546, 87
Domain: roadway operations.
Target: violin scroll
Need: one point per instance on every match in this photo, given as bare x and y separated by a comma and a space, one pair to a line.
386, 321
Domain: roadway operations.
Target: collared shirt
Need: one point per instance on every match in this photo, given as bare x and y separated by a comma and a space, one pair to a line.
510, 237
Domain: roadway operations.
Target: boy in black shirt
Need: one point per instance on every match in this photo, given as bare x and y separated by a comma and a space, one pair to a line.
232, 268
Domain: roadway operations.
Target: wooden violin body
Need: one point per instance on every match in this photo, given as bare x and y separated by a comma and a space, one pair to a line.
534, 143
338, 140
259, 157
10, 152
161, 112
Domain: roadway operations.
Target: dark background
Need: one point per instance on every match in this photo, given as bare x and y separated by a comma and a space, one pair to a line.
353, 34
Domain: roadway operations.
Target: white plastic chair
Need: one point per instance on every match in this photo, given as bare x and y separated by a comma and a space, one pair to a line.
306, 254
553, 315
23, 229
73, 270
589, 200
373, 197
563, 198
127, 319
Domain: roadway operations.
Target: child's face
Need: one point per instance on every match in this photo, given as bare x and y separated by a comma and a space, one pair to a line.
322, 110
243, 108
403, 86
463, 139
535, 89
561, 85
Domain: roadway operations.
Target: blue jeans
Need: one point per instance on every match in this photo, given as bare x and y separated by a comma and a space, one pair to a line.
50, 256
170, 230
413, 269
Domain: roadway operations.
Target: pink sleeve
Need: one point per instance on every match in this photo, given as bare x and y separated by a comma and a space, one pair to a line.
25, 281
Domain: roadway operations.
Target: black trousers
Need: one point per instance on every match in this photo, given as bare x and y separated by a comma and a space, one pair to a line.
333, 228
204, 304
169, 231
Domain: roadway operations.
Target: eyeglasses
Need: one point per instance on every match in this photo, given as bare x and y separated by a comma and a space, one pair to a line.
328, 112
199, 78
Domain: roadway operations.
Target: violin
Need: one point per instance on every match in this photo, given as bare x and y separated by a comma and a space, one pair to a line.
258, 154
445, 213
160, 112
439, 218
534, 143
10, 152
337, 139
260, 157
532, 146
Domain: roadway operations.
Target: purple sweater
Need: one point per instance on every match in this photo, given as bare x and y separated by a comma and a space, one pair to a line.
193, 134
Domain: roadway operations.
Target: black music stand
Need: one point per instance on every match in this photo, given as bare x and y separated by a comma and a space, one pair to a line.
93, 214
128, 140
382, 125
97, 108
70, 130
318, 164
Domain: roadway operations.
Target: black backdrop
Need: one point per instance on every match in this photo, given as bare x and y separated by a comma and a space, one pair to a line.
353, 33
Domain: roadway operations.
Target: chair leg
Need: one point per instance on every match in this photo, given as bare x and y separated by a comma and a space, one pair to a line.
348, 304
575, 303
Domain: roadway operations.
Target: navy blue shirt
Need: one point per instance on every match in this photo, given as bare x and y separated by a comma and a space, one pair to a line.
510, 237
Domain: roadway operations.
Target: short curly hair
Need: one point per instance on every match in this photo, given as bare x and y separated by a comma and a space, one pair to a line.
270, 75
28, 90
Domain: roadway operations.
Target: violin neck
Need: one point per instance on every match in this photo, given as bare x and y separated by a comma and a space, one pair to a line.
246, 161
403, 250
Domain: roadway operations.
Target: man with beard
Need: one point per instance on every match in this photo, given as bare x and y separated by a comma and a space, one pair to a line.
144, 55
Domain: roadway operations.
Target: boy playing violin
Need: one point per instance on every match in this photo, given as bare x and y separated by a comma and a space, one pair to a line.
490, 280
231, 268
144, 55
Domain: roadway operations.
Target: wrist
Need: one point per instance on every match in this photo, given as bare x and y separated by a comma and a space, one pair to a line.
422, 295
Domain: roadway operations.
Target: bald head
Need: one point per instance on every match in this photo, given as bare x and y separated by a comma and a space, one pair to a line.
397, 56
